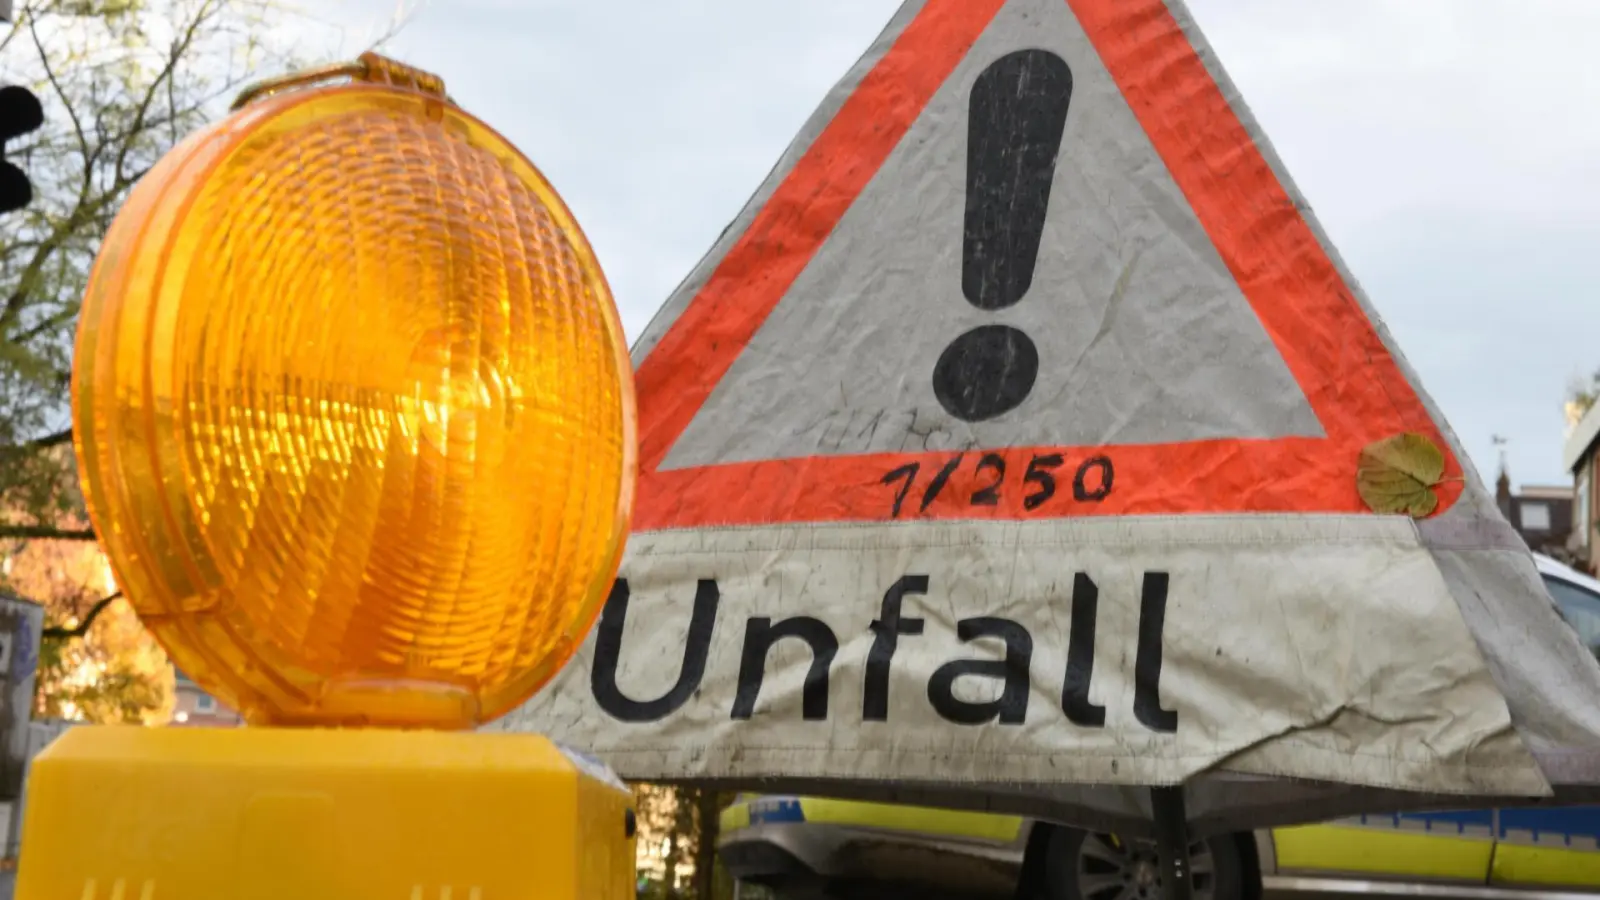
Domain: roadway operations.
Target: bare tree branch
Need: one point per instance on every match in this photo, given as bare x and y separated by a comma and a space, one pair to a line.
46, 533
63, 436
45, 326
175, 55
82, 628
22, 16
15, 302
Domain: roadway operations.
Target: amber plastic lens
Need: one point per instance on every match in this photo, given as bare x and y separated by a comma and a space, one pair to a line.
354, 413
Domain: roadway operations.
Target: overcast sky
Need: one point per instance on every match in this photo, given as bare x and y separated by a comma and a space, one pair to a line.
1450, 147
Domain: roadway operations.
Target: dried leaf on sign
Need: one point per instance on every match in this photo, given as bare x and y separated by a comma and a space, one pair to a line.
1398, 475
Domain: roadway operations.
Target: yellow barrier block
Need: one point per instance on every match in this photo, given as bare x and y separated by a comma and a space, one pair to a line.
129, 813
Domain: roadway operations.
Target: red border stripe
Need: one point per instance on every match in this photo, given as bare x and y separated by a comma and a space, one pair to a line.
1351, 380
681, 371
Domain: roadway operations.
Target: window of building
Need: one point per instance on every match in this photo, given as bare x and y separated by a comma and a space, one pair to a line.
1535, 516
205, 703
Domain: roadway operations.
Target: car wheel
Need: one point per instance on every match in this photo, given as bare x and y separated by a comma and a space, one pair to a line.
1082, 865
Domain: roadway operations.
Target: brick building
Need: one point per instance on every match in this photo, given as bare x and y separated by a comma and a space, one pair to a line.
194, 708
1580, 458
1542, 514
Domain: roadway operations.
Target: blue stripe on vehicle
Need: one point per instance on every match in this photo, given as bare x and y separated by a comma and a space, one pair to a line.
1475, 824
1574, 826
775, 810
1552, 826
1451, 822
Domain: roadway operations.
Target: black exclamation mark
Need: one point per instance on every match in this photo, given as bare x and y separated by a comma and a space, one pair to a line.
1018, 113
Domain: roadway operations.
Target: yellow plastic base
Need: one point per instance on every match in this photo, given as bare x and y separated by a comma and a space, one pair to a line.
128, 813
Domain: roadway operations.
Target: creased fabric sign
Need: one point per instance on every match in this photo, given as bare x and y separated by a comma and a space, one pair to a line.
1020, 440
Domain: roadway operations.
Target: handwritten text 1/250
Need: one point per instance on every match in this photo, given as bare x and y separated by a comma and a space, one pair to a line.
1091, 481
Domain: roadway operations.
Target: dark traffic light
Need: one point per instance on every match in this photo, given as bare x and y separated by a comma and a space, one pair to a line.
20, 113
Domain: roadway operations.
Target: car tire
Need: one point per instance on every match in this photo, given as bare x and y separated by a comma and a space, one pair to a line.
1080, 865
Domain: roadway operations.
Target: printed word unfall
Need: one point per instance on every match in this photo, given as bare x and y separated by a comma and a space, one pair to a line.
890, 632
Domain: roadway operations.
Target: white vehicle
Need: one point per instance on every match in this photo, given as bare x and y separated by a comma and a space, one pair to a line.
807, 847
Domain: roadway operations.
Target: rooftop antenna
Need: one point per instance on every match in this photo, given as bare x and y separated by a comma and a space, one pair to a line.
1501, 442
1503, 480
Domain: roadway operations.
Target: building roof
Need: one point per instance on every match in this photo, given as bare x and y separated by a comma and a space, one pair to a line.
1583, 438
1545, 492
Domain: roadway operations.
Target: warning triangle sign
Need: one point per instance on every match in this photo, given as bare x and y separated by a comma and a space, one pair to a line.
1017, 438
1040, 235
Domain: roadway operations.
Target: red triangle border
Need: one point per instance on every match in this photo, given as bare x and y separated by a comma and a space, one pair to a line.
1353, 383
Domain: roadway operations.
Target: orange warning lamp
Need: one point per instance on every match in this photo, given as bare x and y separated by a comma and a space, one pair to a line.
354, 420
354, 410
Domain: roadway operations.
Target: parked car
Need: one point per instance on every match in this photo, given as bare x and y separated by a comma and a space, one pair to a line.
805, 846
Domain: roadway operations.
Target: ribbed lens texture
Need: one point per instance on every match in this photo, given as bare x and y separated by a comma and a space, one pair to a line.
385, 418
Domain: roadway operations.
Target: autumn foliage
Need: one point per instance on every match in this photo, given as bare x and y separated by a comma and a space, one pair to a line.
114, 672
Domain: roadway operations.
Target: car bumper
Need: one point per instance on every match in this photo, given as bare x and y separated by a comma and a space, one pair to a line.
778, 853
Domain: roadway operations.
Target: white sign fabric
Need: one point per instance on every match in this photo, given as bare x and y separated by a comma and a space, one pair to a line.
1109, 652
1005, 451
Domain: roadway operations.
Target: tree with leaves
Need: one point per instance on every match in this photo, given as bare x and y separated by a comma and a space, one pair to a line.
1581, 396
678, 832
96, 661
121, 82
